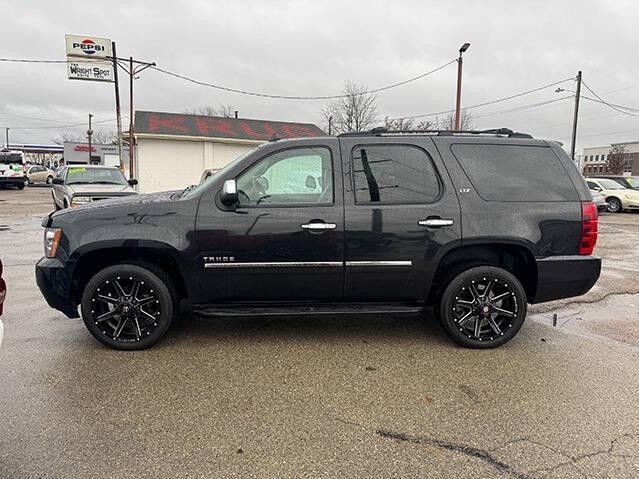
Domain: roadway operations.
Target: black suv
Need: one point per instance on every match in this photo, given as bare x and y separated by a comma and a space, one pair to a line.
473, 224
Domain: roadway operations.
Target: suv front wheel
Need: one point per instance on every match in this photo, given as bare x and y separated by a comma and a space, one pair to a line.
129, 306
483, 307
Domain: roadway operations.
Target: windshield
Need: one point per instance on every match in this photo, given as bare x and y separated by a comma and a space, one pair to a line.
101, 176
193, 190
611, 185
633, 180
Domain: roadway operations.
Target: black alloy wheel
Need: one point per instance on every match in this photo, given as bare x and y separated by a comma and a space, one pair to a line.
483, 307
127, 306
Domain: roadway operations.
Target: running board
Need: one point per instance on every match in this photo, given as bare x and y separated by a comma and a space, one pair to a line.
316, 309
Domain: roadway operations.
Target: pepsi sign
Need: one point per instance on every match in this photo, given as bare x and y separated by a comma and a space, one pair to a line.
87, 47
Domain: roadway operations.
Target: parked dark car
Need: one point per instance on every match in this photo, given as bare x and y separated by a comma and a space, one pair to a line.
475, 225
3, 296
625, 181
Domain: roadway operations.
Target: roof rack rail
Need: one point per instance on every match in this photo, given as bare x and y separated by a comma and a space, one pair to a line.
381, 131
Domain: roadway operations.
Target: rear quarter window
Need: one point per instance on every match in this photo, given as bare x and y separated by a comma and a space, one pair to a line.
515, 173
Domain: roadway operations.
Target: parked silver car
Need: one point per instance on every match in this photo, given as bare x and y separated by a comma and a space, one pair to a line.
40, 174
599, 200
77, 185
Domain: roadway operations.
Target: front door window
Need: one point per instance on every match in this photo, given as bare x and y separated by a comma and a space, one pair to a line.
299, 176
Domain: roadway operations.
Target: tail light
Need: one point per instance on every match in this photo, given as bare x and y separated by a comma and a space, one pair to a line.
589, 227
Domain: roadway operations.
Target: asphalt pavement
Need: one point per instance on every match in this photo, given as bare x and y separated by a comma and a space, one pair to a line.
329, 397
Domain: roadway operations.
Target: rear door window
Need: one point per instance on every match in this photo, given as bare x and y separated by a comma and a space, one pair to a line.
515, 173
394, 175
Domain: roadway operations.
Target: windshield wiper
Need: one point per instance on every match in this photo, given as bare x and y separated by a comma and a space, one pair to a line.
262, 198
186, 190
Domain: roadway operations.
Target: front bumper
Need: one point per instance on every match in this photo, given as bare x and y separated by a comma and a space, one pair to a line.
53, 279
561, 277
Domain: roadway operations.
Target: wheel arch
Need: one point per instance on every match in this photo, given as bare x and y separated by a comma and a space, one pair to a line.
515, 258
161, 255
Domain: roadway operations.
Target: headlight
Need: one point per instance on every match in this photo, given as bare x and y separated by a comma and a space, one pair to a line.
51, 240
80, 200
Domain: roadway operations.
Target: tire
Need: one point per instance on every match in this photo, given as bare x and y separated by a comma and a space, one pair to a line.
49, 180
459, 317
65, 205
119, 320
614, 205
20, 186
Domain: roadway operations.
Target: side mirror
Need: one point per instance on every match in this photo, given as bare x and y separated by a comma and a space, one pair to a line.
229, 196
58, 181
311, 182
596, 188
133, 182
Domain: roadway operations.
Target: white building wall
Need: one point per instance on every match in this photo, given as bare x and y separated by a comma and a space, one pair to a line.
167, 164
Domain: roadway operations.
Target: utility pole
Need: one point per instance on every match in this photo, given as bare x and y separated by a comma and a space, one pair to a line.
7, 133
131, 137
118, 114
576, 115
128, 66
460, 62
89, 133
330, 124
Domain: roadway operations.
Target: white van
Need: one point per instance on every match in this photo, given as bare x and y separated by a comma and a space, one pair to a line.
12, 169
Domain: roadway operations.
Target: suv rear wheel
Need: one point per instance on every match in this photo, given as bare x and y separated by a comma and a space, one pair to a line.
129, 306
482, 307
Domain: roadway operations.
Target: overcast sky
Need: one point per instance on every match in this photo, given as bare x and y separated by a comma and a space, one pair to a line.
312, 48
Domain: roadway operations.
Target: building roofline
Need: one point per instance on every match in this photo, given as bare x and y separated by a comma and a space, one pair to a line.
161, 136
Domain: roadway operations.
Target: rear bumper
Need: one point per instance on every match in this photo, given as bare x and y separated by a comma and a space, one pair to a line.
54, 282
12, 180
565, 276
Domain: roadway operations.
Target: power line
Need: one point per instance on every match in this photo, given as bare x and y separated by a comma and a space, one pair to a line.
609, 133
53, 127
529, 107
27, 60
486, 103
619, 108
51, 120
293, 97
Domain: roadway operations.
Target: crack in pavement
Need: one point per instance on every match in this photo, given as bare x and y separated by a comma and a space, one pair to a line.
481, 454
589, 301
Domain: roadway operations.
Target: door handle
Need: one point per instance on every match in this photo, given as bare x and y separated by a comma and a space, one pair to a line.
435, 222
319, 226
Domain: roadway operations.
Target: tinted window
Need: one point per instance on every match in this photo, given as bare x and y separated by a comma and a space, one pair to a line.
515, 173
289, 177
393, 174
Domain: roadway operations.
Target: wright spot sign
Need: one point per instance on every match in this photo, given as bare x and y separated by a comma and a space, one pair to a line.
88, 58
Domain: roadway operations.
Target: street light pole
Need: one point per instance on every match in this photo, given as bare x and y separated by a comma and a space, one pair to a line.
89, 133
460, 61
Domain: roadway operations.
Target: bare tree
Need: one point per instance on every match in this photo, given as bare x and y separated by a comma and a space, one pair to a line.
448, 123
615, 160
356, 111
398, 124
226, 111
99, 137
